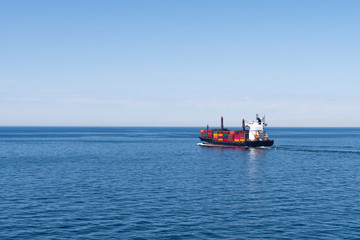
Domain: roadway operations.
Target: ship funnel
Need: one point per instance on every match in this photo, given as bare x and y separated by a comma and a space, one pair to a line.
258, 119
243, 124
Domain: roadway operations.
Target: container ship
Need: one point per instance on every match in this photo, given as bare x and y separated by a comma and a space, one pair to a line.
256, 136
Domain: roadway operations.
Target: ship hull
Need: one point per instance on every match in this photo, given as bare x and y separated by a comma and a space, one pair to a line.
265, 143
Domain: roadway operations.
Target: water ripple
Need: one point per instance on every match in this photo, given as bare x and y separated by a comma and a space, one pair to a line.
144, 183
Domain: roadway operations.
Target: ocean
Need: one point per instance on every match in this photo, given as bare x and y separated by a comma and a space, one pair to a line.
156, 183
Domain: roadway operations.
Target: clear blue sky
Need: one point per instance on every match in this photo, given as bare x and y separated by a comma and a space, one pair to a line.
179, 63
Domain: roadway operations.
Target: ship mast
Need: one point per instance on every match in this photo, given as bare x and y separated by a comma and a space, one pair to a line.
222, 123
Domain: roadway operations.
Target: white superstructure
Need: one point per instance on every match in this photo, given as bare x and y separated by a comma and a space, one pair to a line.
257, 129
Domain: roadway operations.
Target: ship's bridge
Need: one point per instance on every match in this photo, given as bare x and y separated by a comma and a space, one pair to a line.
257, 129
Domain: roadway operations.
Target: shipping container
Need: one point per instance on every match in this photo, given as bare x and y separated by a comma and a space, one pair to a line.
242, 136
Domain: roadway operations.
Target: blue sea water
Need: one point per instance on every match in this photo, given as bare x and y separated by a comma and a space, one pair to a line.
156, 183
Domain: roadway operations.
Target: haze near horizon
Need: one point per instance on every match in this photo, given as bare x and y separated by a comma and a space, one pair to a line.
179, 63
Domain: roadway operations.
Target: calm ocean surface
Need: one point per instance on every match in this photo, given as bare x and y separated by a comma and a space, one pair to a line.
156, 183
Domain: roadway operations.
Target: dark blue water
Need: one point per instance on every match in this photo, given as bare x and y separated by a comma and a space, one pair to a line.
156, 183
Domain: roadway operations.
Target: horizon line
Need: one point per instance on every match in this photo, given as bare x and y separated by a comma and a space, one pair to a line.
108, 126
